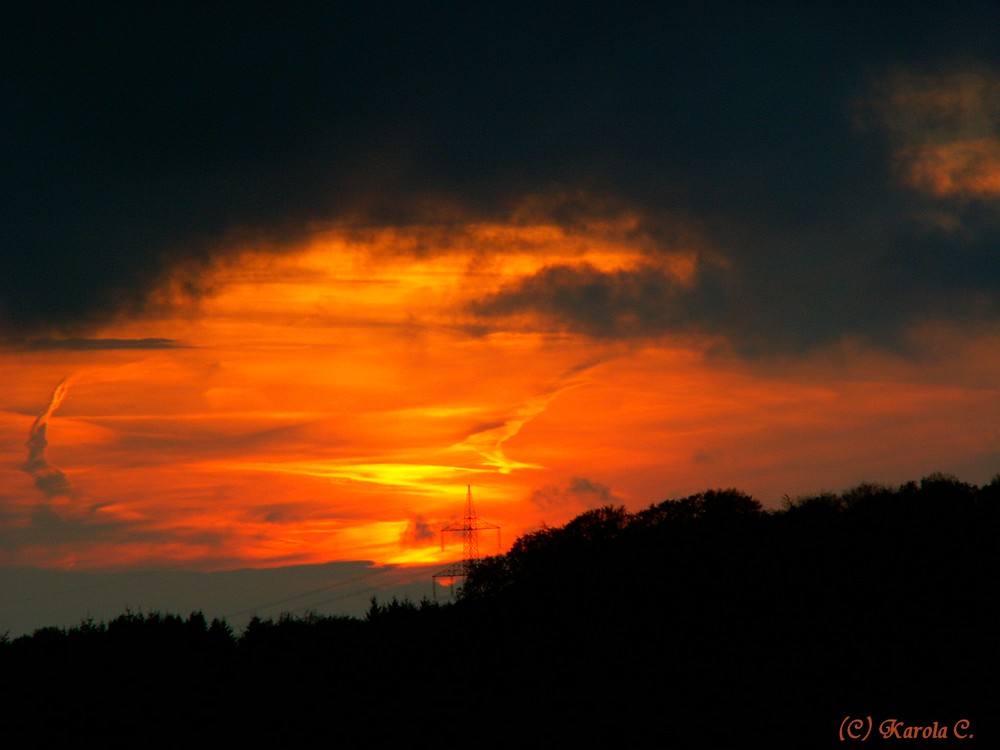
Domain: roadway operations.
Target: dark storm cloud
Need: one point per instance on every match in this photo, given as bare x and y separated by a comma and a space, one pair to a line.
139, 141
617, 304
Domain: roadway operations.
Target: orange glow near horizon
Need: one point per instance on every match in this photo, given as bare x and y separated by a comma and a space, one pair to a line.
332, 403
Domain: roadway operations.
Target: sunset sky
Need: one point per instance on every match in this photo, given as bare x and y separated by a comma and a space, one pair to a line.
280, 283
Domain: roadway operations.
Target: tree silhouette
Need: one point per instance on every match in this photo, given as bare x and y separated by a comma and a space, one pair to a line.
703, 621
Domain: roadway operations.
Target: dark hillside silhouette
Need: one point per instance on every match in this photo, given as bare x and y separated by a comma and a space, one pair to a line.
699, 622
752, 623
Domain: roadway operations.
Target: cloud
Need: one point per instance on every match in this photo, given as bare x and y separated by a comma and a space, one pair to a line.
417, 533
580, 493
944, 128
488, 439
129, 179
969, 168
625, 303
48, 478
85, 345
940, 125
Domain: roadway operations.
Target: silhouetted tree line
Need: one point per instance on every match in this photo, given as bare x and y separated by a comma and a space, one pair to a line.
705, 621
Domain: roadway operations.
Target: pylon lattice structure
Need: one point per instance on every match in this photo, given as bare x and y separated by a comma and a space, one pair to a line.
469, 528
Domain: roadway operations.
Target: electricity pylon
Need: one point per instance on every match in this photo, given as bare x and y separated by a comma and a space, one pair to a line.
469, 529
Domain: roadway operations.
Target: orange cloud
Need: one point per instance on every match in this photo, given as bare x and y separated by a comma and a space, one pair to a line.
961, 168
944, 128
333, 404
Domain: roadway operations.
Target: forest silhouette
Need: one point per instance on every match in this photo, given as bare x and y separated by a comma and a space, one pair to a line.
702, 622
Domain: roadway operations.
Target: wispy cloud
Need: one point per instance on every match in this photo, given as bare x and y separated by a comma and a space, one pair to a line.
90, 345
488, 442
48, 478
